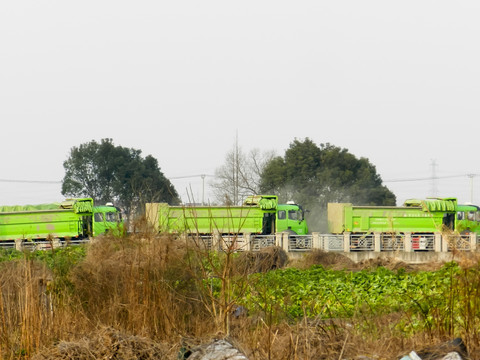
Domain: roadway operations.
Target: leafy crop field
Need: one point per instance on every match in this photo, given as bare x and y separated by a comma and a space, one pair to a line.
323, 294
149, 296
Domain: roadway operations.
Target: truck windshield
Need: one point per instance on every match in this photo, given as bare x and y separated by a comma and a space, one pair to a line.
468, 215
108, 217
295, 215
112, 217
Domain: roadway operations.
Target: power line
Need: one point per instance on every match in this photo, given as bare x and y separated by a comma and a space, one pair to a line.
59, 182
471, 176
189, 176
434, 178
204, 175
430, 178
30, 181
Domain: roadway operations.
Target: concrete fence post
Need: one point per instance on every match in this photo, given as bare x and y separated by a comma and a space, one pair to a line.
444, 242
285, 242
56, 243
316, 241
248, 241
346, 242
437, 242
407, 244
278, 239
19, 244
217, 241
473, 241
377, 242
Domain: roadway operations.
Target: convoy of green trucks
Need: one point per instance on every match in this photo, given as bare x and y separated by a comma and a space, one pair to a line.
259, 214
70, 219
81, 219
263, 215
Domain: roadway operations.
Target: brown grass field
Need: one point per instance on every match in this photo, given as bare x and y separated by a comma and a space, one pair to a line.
120, 303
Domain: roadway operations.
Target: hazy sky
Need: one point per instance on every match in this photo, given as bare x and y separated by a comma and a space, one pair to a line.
397, 82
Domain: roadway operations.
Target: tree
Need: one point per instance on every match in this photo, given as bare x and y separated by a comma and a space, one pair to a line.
240, 175
107, 172
314, 175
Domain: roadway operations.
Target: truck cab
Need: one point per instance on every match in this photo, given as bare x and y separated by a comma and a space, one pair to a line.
107, 218
291, 218
468, 219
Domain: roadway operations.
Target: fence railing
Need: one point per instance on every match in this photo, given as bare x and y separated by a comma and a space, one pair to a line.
32, 244
376, 242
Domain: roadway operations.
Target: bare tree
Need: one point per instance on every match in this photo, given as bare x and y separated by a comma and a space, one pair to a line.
240, 175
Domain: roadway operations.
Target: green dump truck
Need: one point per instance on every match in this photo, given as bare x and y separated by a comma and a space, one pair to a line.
259, 214
70, 219
415, 216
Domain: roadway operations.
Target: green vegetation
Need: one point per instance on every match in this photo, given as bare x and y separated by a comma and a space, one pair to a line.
166, 289
323, 294
109, 173
314, 175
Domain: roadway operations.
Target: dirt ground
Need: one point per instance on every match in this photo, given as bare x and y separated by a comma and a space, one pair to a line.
108, 343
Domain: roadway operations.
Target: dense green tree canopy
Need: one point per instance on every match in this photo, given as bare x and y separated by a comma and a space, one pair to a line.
314, 175
110, 173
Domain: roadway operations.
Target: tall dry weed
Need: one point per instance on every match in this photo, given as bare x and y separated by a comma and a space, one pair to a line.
26, 307
141, 284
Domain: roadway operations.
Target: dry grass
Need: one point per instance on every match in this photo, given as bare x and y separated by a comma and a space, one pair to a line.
107, 343
329, 260
141, 297
266, 259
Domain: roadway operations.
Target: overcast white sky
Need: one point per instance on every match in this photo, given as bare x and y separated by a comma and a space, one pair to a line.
397, 82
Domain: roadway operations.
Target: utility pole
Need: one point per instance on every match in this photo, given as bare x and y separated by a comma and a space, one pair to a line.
236, 171
203, 188
202, 176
